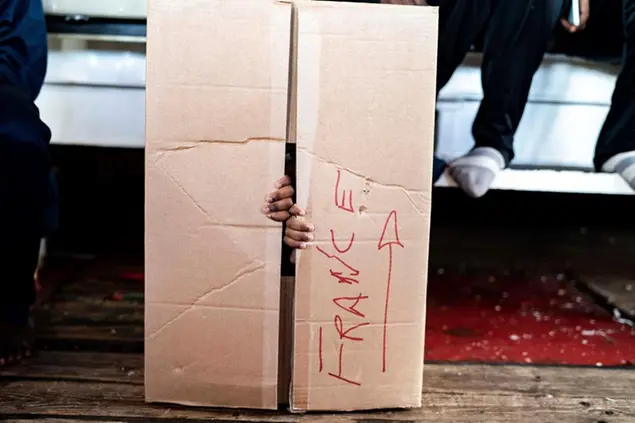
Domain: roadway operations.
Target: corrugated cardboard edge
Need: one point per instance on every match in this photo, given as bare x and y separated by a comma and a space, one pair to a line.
292, 138
285, 346
287, 287
292, 105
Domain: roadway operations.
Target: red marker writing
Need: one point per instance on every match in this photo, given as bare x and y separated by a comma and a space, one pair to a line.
389, 238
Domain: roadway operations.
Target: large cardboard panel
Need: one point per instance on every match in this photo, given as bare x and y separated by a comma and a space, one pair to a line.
217, 81
365, 116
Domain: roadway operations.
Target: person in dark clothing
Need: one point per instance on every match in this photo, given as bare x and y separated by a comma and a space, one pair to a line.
25, 184
615, 148
516, 37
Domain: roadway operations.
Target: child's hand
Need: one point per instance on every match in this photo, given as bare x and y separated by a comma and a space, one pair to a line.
279, 205
298, 233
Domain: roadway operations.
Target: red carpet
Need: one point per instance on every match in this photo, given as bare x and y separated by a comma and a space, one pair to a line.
510, 320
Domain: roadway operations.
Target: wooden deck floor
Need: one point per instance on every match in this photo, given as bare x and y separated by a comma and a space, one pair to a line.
90, 369
105, 387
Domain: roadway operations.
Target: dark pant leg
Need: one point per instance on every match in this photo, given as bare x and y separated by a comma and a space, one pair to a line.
516, 39
618, 133
460, 22
24, 190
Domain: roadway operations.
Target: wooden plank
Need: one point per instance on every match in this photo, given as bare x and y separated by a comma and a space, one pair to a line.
33, 399
95, 367
100, 387
84, 331
86, 338
477, 378
64, 421
84, 314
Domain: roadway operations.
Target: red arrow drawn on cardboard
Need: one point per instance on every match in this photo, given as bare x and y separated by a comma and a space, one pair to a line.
389, 238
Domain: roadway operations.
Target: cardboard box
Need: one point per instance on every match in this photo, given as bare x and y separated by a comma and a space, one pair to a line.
360, 102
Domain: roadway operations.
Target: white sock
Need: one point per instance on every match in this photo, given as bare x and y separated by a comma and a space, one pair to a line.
624, 165
476, 171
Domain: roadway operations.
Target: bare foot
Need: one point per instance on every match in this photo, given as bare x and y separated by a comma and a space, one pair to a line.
16, 342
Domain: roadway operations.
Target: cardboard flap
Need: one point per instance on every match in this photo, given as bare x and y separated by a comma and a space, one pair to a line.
216, 128
366, 79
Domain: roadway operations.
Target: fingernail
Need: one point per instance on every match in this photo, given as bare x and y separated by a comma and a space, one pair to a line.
269, 200
311, 228
303, 245
269, 216
265, 209
278, 185
302, 212
310, 237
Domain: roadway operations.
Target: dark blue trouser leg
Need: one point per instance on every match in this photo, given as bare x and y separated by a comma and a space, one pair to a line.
516, 39
517, 33
24, 193
618, 133
25, 178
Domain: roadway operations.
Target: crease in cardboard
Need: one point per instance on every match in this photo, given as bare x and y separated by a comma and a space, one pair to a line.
210, 306
408, 192
189, 145
185, 192
248, 270
161, 153
212, 222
